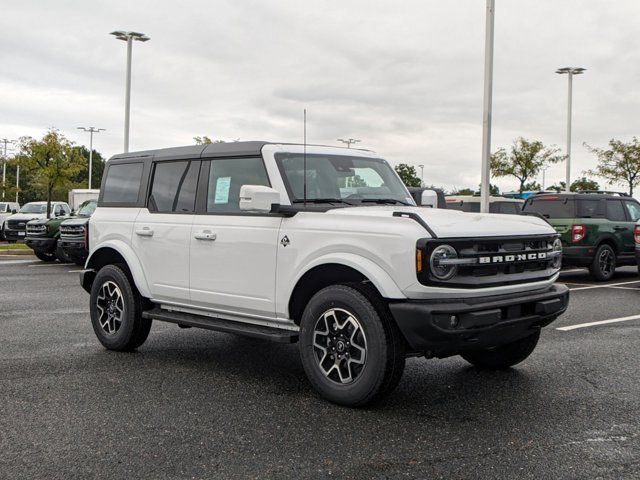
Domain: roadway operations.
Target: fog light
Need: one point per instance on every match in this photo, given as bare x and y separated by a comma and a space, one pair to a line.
453, 321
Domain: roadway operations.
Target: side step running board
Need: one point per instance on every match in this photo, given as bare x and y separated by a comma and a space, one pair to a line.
228, 326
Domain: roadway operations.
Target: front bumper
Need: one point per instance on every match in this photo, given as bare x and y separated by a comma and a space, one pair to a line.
449, 327
638, 256
74, 248
42, 244
15, 235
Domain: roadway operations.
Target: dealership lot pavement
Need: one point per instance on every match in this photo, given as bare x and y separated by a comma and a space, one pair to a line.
198, 404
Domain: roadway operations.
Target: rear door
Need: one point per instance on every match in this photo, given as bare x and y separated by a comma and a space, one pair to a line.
621, 228
633, 215
162, 230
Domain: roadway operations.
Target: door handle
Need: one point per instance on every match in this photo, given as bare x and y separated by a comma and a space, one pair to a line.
618, 229
205, 235
144, 232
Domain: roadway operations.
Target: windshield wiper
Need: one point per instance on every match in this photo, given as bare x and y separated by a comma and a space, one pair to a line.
384, 201
322, 200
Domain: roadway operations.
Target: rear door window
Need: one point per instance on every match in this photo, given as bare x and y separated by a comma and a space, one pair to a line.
615, 211
551, 207
122, 184
173, 189
590, 209
509, 208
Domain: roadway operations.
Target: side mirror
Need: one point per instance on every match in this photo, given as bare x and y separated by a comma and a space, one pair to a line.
258, 198
14, 211
429, 198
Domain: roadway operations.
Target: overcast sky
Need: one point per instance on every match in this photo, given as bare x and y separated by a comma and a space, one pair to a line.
404, 77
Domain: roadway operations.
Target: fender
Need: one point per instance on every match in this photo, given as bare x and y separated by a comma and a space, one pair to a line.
132, 260
379, 277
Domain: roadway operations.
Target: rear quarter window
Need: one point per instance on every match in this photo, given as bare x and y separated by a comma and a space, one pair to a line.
122, 183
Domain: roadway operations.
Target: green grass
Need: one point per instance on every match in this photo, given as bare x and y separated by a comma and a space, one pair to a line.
14, 246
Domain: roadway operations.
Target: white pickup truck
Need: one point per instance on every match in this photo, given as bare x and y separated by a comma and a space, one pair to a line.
317, 245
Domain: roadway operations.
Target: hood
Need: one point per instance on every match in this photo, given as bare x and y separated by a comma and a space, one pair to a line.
39, 221
76, 221
27, 216
456, 224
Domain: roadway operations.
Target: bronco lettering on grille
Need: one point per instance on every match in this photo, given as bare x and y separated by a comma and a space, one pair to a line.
518, 257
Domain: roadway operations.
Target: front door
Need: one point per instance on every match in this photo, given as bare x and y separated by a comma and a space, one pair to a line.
233, 254
162, 231
633, 215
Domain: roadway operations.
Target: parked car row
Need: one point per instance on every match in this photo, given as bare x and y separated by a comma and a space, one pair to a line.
6, 210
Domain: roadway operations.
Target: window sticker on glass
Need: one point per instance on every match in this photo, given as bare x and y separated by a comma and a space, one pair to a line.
222, 190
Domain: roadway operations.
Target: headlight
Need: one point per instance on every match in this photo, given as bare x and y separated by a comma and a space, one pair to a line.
557, 253
441, 268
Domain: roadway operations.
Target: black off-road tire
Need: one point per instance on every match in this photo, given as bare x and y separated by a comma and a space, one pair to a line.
505, 356
45, 257
61, 256
133, 330
599, 268
384, 359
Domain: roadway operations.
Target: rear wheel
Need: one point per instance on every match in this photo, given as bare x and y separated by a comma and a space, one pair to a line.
505, 356
116, 310
352, 352
45, 257
603, 266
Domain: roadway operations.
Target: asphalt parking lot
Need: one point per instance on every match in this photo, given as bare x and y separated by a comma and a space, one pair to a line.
199, 404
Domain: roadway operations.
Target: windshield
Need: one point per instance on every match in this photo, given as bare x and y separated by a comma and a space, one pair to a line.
87, 208
341, 179
4, 207
34, 208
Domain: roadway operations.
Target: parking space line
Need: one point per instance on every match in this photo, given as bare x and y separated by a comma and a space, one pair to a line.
48, 265
604, 286
602, 322
74, 271
573, 270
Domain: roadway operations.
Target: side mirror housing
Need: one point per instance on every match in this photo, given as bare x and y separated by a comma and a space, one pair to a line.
429, 198
14, 211
258, 198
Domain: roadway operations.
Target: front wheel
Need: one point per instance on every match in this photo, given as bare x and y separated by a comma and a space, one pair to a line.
603, 266
505, 356
116, 310
45, 257
352, 352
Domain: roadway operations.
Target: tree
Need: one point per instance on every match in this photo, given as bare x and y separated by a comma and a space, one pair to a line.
620, 164
81, 179
532, 186
465, 191
524, 160
580, 184
50, 164
204, 140
407, 174
493, 190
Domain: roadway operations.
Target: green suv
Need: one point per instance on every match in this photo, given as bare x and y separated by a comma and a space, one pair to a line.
596, 228
42, 237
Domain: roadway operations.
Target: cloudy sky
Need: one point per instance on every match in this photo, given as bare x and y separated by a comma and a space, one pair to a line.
404, 77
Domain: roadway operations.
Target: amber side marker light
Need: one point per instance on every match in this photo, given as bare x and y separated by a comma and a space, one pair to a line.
418, 260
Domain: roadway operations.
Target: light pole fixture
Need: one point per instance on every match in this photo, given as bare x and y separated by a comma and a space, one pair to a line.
421, 175
91, 131
349, 141
128, 37
570, 71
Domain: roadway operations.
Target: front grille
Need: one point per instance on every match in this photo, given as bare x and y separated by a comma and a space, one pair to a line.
17, 224
36, 230
494, 261
71, 231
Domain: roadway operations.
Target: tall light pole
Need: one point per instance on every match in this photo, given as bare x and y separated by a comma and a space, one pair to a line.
544, 172
487, 106
421, 175
349, 141
128, 37
91, 131
4, 163
570, 71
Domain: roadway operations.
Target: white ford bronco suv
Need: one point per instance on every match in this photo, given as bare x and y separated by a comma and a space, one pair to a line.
318, 245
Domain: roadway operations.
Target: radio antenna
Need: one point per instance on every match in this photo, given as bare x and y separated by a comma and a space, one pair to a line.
304, 157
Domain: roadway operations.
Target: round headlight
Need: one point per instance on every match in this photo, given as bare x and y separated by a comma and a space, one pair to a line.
557, 250
440, 268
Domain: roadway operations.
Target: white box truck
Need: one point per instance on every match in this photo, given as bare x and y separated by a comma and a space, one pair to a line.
79, 195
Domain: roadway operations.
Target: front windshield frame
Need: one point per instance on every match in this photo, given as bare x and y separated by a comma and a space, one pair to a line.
40, 208
396, 192
87, 208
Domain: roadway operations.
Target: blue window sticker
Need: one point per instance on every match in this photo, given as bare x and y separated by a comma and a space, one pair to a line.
222, 190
